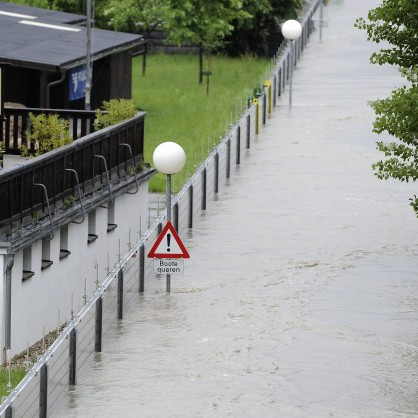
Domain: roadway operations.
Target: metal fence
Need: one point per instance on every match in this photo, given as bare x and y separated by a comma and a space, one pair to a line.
47, 383
89, 164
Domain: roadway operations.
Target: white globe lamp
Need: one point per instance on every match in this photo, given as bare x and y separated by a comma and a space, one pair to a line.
169, 158
291, 29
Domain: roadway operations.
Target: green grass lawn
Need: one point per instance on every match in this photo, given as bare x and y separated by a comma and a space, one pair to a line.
179, 109
16, 376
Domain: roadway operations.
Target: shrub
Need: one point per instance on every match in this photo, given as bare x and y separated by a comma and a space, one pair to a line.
47, 132
115, 111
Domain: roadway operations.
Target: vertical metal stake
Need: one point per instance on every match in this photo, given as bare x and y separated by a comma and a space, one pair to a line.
228, 158
120, 294
264, 108
98, 326
274, 89
73, 357
141, 268
238, 156
190, 223
9, 412
248, 131
176, 216
203, 206
216, 174
43, 391
291, 73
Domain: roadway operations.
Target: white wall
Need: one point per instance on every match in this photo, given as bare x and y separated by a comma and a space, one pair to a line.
45, 300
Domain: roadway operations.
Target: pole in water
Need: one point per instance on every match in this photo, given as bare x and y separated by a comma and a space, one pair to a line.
169, 158
168, 279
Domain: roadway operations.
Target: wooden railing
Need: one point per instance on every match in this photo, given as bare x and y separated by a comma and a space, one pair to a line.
41, 185
16, 123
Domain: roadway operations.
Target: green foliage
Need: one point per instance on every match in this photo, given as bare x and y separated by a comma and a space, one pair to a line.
179, 110
135, 15
395, 22
68, 202
115, 111
253, 36
202, 22
47, 132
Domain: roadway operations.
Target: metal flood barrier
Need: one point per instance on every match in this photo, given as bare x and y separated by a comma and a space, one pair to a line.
50, 379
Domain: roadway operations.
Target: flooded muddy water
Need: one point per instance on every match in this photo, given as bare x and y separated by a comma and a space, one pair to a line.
300, 297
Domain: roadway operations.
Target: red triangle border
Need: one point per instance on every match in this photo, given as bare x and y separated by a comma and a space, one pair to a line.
168, 228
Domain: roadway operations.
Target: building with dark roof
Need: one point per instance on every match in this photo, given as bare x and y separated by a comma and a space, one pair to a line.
43, 53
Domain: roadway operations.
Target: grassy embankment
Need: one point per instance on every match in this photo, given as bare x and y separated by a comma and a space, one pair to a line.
179, 110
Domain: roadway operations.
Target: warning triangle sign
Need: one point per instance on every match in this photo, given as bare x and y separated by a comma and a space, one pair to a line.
168, 244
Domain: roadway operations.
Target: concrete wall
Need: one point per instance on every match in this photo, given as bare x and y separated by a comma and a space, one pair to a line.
45, 300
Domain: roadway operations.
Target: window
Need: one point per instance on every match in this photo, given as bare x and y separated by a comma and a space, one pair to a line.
111, 219
64, 252
27, 264
92, 228
46, 254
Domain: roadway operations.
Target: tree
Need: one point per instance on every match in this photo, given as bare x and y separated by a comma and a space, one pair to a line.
395, 22
133, 15
202, 23
261, 34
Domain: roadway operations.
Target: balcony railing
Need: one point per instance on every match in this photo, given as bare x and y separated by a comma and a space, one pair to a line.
44, 186
16, 123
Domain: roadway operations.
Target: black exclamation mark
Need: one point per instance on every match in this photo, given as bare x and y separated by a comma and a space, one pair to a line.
168, 242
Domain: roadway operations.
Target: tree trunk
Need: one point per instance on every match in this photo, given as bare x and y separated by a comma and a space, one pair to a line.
200, 64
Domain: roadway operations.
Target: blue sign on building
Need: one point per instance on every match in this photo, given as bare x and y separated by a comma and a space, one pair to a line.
77, 82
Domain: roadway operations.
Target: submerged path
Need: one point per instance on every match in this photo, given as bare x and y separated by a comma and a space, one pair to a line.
300, 298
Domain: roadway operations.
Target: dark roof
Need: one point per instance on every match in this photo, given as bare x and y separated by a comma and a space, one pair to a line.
62, 45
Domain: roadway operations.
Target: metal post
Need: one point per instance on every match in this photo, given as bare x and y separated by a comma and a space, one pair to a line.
238, 156
98, 326
141, 268
264, 107
203, 205
291, 72
8, 307
321, 19
228, 158
9, 412
88, 61
274, 90
43, 391
190, 223
120, 294
73, 356
168, 279
216, 174
176, 216
284, 76
248, 131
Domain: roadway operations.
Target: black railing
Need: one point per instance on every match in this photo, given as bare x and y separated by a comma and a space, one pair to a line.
16, 123
96, 161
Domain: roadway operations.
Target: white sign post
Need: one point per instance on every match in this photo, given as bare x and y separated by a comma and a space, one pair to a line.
168, 252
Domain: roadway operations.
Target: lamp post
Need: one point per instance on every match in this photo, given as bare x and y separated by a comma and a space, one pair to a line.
169, 158
291, 30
